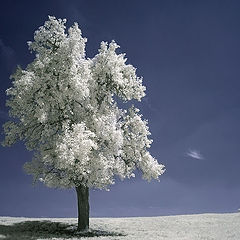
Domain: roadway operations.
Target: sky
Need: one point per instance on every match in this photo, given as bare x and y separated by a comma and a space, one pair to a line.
188, 54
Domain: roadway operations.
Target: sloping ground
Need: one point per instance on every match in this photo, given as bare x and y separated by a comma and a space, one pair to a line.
181, 227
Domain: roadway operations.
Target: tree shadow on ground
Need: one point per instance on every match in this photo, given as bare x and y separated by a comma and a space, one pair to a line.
33, 230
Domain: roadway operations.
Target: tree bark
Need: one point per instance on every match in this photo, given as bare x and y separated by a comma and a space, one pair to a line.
83, 207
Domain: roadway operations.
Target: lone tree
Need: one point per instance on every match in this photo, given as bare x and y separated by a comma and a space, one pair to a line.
64, 107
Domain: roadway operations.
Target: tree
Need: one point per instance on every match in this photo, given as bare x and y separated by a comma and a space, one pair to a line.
64, 107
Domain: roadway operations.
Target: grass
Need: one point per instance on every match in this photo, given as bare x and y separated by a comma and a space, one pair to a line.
180, 227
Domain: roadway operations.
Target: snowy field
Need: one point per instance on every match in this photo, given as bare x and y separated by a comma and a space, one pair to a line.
181, 227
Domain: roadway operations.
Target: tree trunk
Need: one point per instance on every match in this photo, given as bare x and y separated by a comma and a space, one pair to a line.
83, 207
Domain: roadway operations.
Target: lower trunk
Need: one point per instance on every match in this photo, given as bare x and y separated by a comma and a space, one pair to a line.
83, 207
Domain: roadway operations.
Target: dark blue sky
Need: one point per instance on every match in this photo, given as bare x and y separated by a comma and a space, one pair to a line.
188, 53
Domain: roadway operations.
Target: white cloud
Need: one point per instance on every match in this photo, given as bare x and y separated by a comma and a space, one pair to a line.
194, 154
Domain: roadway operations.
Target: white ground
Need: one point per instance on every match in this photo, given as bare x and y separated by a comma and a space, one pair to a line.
181, 227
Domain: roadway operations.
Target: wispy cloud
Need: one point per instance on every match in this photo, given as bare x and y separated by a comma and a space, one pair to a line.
194, 154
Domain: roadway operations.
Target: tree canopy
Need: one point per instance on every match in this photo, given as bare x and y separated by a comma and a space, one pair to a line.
64, 107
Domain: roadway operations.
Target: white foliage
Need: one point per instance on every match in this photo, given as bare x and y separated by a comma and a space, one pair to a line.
65, 110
